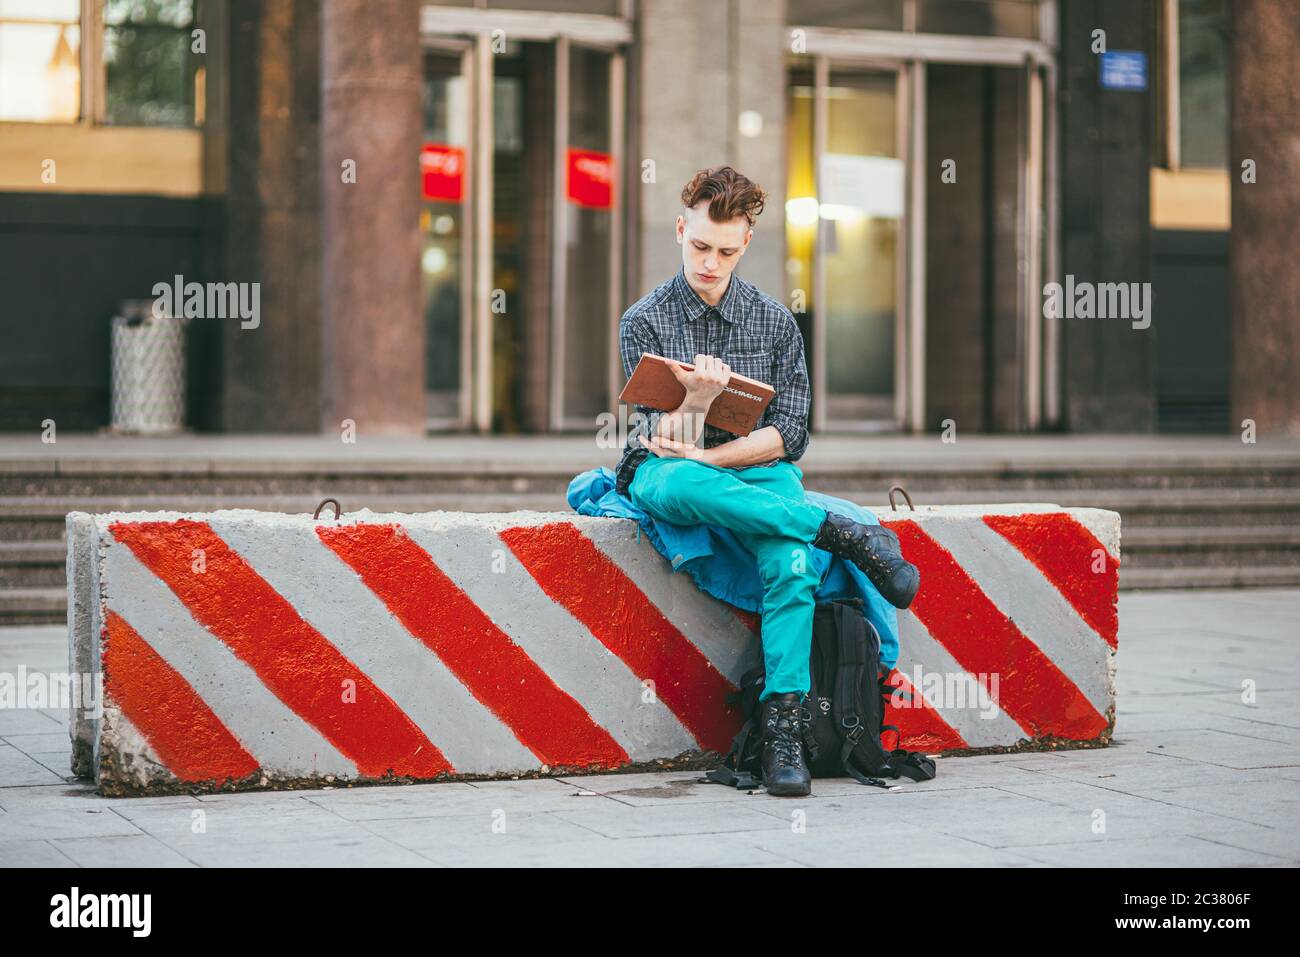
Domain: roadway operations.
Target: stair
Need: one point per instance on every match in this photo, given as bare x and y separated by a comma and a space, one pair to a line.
1218, 520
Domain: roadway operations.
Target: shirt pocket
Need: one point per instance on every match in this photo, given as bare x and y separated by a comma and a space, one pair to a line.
755, 364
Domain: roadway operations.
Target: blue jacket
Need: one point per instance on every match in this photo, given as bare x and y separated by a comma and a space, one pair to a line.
721, 566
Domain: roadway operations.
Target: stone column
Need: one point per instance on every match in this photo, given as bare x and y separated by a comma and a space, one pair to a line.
736, 50
271, 371
1264, 257
1106, 154
373, 333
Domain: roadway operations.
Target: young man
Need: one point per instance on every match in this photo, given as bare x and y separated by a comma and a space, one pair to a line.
678, 470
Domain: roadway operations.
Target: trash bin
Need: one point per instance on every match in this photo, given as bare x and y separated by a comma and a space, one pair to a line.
148, 381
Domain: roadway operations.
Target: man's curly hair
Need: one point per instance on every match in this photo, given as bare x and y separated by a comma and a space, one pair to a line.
729, 194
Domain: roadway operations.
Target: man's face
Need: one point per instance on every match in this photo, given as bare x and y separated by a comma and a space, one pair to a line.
710, 251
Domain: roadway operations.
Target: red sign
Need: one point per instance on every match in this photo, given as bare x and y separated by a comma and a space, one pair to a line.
442, 170
591, 179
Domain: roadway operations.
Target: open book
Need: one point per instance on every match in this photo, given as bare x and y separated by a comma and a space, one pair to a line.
737, 408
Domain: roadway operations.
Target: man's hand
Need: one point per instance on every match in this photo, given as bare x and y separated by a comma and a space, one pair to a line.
705, 383
672, 449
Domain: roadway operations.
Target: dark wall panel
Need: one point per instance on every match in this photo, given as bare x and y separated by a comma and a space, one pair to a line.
68, 260
1106, 151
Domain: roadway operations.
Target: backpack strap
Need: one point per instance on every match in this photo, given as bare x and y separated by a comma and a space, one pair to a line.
741, 780
846, 702
730, 773
874, 782
912, 764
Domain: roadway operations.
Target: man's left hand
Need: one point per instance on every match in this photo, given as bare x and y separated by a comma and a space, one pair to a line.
672, 449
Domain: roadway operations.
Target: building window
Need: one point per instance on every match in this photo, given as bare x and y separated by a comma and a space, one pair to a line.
1194, 95
152, 74
984, 18
40, 49
980, 18
847, 14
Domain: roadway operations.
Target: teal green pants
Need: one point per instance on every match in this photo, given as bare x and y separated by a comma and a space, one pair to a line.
765, 507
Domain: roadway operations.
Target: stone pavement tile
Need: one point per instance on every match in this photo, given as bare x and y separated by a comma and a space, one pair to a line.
40, 742
881, 844
1241, 720
1061, 810
131, 850
1275, 804
613, 819
25, 721
1160, 772
18, 769
1282, 841
59, 764
354, 848
1223, 748
868, 808
1145, 715
445, 798
59, 715
77, 796
268, 797
686, 787
720, 850
499, 850
31, 854
25, 824
673, 787
1174, 850
290, 820
466, 836
644, 790
1125, 808
1001, 817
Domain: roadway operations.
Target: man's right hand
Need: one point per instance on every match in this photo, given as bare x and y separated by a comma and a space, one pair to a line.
704, 383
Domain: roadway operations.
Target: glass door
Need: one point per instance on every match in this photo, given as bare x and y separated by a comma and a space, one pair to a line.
588, 266
844, 234
445, 235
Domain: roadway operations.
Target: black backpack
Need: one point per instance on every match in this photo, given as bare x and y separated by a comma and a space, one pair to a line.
842, 713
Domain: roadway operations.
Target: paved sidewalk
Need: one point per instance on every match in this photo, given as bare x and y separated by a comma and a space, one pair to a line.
1195, 777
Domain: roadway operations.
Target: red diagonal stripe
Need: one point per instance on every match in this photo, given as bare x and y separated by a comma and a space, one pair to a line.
291, 657
544, 718
578, 575
180, 727
753, 620
1065, 551
957, 613
921, 726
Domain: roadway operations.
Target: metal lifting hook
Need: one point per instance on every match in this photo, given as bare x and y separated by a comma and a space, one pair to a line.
906, 497
338, 509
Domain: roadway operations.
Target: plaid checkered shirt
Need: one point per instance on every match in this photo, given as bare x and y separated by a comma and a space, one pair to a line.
750, 331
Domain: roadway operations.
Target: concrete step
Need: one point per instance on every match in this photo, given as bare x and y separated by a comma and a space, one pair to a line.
1264, 576
1031, 480
1211, 546
33, 606
31, 564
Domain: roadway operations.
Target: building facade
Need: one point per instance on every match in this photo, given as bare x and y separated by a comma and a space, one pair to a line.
447, 205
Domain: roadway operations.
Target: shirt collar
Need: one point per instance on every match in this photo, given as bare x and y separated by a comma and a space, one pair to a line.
731, 307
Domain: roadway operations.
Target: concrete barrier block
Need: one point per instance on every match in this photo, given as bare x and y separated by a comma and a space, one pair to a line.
247, 649
1014, 633
82, 541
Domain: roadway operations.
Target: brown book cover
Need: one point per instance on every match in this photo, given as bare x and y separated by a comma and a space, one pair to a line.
737, 408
